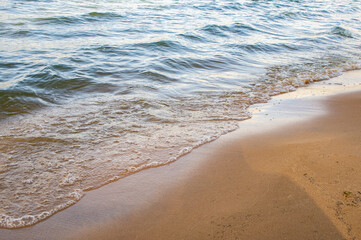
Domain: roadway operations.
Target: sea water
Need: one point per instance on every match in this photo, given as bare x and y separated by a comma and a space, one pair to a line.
92, 91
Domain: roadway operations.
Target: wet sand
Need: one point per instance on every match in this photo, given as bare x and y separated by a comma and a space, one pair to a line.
291, 172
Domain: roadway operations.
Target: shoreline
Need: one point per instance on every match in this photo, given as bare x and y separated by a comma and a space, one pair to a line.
138, 199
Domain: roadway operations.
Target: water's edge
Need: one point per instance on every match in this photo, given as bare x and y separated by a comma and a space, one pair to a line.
29, 220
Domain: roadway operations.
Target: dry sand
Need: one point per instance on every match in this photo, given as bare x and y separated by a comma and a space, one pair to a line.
285, 174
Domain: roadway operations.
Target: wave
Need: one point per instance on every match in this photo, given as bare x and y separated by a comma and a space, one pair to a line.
222, 30
81, 19
45, 87
162, 45
342, 32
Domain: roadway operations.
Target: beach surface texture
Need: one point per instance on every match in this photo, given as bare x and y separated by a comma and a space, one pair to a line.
290, 172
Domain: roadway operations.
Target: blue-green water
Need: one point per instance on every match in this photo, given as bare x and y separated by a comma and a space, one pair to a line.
91, 91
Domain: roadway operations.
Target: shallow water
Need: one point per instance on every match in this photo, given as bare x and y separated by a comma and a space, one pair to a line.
92, 91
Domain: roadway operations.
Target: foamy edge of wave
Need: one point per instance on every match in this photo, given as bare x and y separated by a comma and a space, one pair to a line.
29, 220
181, 153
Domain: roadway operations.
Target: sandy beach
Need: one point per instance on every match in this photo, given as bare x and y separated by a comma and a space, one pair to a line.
291, 172
299, 183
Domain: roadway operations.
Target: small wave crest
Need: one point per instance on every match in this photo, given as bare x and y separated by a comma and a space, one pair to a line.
82, 19
340, 31
162, 45
285, 78
239, 29
44, 86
